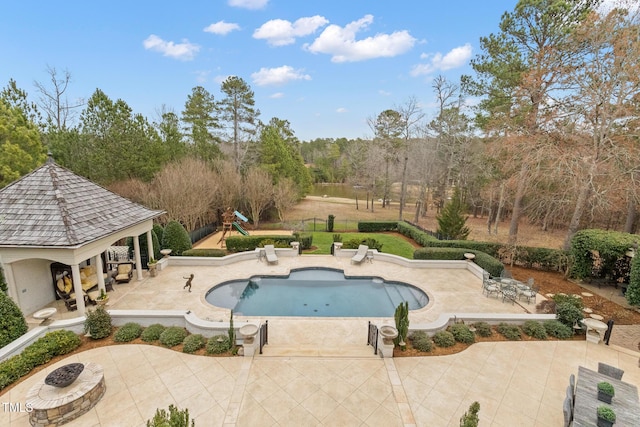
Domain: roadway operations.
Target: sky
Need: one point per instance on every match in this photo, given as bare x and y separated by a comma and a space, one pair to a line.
326, 66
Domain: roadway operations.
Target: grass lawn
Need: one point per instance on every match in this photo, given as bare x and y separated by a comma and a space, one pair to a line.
390, 244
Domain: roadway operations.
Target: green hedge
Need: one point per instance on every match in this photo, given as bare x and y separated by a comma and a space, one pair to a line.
215, 253
249, 243
418, 236
12, 322
633, 290
377, 226
53, 344
487, 262
176, 238
611, 245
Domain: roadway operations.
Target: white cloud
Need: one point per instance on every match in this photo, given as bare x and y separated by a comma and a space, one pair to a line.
455, 58
276, 95
384, 92
341, 110
341, 43
278, 76
248, 4
607, 5
202, 76
184, 51
280, 32
222, 28
219, 79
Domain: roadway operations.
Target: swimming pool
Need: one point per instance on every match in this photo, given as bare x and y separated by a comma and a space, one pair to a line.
315, 292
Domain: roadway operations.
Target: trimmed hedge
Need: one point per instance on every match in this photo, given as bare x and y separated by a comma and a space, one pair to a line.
53, 344
611, 246
152, 332
173, 336
633, 290
487, 262
214, 253
377, 226
413, 232
249, 243
127, 332
176, 238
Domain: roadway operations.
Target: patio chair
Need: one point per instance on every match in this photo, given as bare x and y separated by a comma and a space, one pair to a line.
360, 255
506, 274
270, 253
124, 272
572, 384
509, 293
568, 412
610, 371
529, 293
489, 285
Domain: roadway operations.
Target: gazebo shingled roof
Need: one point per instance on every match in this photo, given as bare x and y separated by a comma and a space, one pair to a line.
53, 207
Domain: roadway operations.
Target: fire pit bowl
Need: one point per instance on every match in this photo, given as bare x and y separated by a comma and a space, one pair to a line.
64, 375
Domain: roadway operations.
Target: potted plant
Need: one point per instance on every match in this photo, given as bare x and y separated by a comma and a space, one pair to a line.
606, 416
605, 392
153, 264
103, 298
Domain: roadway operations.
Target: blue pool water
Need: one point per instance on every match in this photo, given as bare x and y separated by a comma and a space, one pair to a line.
315, 292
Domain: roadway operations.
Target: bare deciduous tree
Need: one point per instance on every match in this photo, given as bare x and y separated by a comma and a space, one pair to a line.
258, 192
285, 195
54, 101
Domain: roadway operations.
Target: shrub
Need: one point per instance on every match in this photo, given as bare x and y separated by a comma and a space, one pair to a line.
510, 332
337, 238
3, 284
174, 418
128, 332
606, 413
568, 314
369, 241
547, 306
484, 260
214, 253
568, 299
377, 226
483, 329
422, 342
218, 344
98, 323
606, 388
173, 336
193, 343
470, 418
176, 238
534, 329
12, 369
330, 221
36, 354
12, 323
444, 339
249, 243
305, 239
60, 342
159, 230
557, 329
462, 333
153, 332
633, 290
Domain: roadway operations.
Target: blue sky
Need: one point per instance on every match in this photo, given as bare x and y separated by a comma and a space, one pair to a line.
326, 66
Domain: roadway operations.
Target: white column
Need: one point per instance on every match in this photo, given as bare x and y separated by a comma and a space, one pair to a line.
11, 284
100, 272
136, 252
77, 288
150, 246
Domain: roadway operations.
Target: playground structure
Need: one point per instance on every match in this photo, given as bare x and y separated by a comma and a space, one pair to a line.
230, 220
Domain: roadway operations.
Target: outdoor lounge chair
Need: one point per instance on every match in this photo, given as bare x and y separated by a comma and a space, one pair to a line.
124, 273
360, 255
270, 253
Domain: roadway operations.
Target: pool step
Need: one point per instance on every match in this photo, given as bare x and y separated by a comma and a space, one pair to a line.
360, 351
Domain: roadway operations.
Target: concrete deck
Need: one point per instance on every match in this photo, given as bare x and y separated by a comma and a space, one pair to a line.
320, 371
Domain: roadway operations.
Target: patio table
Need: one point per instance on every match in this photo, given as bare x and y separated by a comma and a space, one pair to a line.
625, 402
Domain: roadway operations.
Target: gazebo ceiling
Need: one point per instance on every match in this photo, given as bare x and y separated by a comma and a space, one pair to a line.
53, 207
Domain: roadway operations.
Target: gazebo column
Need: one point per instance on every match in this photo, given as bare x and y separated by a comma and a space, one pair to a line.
11, 283
150, 248
77, 288
136, 253
100, 272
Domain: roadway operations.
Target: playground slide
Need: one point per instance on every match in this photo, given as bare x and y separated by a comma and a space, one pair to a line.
240, 229
242, 217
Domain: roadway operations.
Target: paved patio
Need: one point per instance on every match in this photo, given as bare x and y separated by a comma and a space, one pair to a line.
320, 372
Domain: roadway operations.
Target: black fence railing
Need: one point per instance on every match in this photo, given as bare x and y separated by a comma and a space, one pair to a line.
372, 337
202, 232
264, 334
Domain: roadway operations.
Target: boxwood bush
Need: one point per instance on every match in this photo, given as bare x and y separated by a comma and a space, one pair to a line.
173, 336
152, 332
483, 329
249, 243
369, 241
534, 329
377, 226
60, 342
509, 331
421, 341
487, 262
193, 343
214, 253
444, 339
12, 322
218, 344
557, 329
462, 333
176, 238
128, 332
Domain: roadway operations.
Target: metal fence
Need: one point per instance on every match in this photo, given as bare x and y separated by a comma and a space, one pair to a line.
202, 232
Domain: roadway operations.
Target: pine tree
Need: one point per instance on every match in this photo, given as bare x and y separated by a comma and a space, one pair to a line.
451, 222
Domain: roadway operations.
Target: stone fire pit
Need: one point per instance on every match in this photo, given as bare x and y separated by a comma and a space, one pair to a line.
55, 405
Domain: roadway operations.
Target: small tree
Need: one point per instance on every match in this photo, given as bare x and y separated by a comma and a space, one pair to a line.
174, 418
12, 323
470, 418
451, 221
176, 238
402, 324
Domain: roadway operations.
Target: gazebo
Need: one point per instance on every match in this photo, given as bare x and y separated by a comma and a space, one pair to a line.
53, 215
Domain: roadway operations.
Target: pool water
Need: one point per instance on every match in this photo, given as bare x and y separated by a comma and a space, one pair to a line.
315, 292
